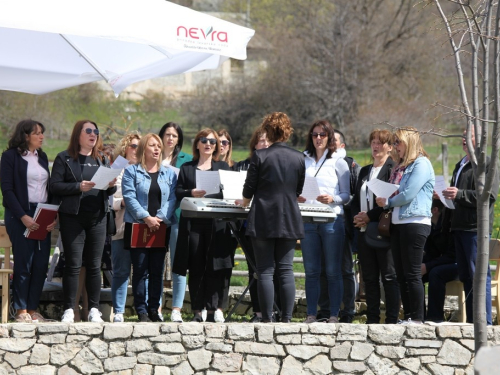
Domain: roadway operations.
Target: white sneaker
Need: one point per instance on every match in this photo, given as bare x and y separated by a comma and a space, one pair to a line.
118, 318
95, 316
219, 316
176, 316
68, 316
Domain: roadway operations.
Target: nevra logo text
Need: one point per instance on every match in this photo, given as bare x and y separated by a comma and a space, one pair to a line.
198, 33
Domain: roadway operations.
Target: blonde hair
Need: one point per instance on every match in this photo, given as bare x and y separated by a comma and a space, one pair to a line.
414, 148
121, 149
141, 149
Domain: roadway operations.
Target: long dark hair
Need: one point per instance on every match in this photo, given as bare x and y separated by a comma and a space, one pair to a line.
22, 129
180, 139
327, 128
74, 142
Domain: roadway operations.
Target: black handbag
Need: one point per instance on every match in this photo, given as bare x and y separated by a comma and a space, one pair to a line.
374, 239
110, 222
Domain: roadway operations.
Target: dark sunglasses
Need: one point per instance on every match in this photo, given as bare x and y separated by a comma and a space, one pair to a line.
224, 143
133, 145
90, 130
321, 135
212, 141
396, 143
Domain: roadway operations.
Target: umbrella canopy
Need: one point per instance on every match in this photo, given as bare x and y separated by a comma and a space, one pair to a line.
53, 44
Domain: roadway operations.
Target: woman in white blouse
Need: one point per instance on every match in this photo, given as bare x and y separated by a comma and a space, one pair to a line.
327, 165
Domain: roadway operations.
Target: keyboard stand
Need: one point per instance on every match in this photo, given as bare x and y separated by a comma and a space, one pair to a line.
240, 236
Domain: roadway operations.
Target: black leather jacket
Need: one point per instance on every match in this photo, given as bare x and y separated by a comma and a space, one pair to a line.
65, 183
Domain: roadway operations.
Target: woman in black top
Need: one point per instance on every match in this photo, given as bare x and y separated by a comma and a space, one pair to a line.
274, 181
208, 260
82, 215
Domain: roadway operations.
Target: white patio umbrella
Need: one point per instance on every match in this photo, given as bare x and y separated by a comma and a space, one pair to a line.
47, 45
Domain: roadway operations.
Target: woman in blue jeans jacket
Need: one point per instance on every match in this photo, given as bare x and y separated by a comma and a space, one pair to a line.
411, 218
325, 241
148, 189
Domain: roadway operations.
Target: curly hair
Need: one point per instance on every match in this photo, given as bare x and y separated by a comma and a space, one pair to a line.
228, 158
121, 149
277, 127
204, 133
328, 129
22, 129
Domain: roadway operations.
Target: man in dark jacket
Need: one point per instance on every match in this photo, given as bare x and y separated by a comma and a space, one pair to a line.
348, 309
463, 224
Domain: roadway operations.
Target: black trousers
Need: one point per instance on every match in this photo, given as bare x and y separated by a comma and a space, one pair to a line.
275, 254
207, 286
83, 238
376, 264
407, 243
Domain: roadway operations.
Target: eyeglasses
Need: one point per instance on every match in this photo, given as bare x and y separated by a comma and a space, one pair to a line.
133, 145
90, 131
224, 143
321, 135
396, 143
212, 141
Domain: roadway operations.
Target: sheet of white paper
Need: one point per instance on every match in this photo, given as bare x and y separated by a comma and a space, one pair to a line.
176, 170
381, 189
208, 181
310, 191
104, 176
120, 163
439, 186
232, 183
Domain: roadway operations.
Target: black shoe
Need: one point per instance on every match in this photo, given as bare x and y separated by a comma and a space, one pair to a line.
345, 319
255, 319
210, 318
144, 318
322, 316
154, 316
197, 318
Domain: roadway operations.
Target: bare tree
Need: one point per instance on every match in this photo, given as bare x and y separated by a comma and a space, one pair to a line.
472, 27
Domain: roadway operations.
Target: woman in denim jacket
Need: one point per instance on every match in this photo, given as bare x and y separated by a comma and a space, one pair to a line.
411, 218
148, 190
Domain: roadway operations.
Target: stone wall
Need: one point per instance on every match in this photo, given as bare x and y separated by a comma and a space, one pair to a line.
209, 349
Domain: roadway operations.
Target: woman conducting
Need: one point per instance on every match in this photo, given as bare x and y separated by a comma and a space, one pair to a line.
82, 215
120, 257
274, 180
24, 176
411, 218
376, 263
173, 139
148, 189
208, 262
325, 241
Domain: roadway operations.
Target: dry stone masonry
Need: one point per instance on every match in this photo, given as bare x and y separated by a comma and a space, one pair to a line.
237, 348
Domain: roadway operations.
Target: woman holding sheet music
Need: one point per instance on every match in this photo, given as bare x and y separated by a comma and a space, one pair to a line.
148, 189
173, 139
24, 176
326, 164
197, 249
82, 215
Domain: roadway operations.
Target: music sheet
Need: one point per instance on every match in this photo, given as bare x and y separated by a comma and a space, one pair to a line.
104, 176
232, 183
381, 189
439, 186
310, 191
120, 163
208, 181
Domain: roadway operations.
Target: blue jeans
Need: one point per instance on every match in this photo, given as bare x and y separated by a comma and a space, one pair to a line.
328, 240
466, 250
438, 277
31, 259
121, 272
178, 281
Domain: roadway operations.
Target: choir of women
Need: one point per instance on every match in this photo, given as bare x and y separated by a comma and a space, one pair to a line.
160, 175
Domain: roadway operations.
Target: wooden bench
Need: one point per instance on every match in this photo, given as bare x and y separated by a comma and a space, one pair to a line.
5, 273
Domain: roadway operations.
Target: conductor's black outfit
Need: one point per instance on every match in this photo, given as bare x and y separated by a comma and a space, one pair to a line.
275, 179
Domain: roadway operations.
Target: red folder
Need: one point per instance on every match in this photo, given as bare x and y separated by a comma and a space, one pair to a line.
143, 237
45, 215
